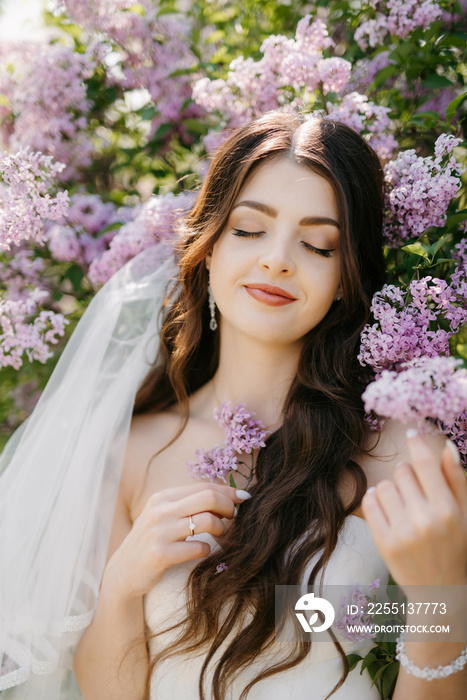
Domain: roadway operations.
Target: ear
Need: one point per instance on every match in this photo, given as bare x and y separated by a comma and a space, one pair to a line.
207, 261
339, 293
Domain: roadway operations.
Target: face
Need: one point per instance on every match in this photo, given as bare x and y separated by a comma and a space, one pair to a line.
275, 269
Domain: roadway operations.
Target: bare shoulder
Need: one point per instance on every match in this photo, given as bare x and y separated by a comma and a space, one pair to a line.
149, 433
389, 447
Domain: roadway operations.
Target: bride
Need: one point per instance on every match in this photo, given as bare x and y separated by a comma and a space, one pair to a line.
280, 257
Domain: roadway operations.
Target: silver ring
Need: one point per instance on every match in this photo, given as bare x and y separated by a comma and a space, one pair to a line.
191, 526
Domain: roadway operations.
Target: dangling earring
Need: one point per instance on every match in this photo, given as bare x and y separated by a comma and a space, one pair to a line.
212, 308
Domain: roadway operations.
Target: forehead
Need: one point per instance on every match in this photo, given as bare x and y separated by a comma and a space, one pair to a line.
285, 185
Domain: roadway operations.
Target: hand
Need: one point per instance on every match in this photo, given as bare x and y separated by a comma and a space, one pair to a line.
157, 538
419, 520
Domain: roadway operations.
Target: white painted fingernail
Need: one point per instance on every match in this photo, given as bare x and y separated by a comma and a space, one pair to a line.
235, 511
371, 489
242, 495
411, 433
454, 451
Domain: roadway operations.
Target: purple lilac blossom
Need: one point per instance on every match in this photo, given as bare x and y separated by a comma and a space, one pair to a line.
360, 599
403, 328
396, 17
155, 222
20, 273
221, 567
242, 434
25, 197
18, 335
284, 78
213, 464
419, 190
44, 85
151, 48
423, 390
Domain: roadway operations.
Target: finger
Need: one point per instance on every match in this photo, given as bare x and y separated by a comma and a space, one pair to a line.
455, 474
375, 517
391, 503
179, 492
409, 487
178, 552
428, 470
202, 522
207, 500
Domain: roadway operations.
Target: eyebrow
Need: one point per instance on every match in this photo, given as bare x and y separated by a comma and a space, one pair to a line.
270, 211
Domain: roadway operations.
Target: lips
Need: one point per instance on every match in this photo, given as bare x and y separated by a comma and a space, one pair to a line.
267, 294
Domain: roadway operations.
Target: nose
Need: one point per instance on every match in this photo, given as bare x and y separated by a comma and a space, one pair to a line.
276, 256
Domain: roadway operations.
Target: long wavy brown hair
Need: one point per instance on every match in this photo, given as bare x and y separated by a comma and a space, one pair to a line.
323, 429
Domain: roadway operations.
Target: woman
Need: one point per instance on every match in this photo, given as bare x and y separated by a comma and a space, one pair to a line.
287, 233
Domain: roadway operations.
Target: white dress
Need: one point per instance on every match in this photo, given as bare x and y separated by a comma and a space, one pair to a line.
355, 560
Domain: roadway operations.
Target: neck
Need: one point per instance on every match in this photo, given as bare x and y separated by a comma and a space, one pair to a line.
256, 374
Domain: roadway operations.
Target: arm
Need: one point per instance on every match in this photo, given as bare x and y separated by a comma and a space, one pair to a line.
419, 522
111, 659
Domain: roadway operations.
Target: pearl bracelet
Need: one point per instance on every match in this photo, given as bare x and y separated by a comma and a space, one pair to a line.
426, 673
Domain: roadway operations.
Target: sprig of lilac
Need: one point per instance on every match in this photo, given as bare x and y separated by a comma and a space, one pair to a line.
429, 391
362, 600
419, 190
25, 196
405, 321
243, 433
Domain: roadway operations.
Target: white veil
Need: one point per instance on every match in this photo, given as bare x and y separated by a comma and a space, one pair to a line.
60, 473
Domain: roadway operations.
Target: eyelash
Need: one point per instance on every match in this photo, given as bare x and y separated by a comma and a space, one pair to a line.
324, 252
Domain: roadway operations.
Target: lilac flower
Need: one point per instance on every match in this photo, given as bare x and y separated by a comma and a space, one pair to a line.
151, 47
156, 221
407, 323
26, 197
347, 619
420, 190
396, 17
424, 389
221, 567
47, 102
18, 335
242, 432
213, 464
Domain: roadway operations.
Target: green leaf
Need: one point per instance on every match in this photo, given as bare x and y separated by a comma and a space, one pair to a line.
453, 106
455, 219
111, 227
75, 275
437, 81
384, 75
231, 481
439, 244
461, 349
417, 249
196, 126
370, 658
148, 112
389, 679
353, 660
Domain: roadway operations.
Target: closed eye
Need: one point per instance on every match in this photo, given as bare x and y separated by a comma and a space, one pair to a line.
239, 232
325, 252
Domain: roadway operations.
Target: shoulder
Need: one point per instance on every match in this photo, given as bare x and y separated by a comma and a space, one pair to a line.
149, 433
388, 447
